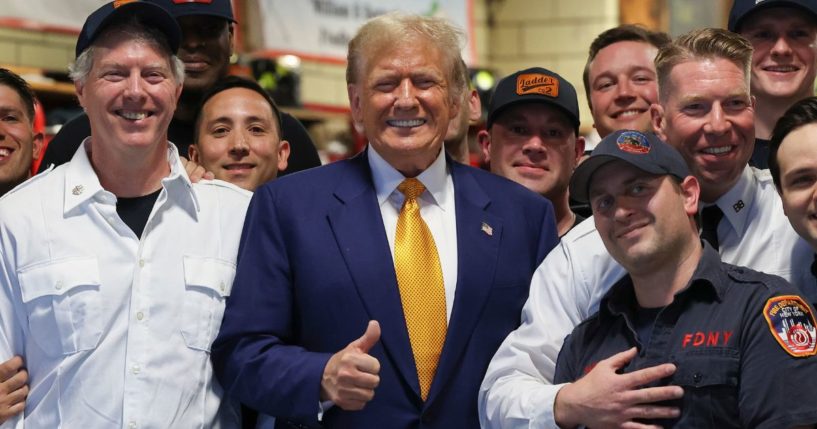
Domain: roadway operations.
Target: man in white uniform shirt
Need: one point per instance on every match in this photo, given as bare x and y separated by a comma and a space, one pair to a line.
707, 113
114, 268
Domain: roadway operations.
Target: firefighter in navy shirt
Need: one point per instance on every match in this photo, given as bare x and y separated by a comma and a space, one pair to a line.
742, 342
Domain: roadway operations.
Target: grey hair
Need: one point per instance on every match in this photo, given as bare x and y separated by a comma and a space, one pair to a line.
137, 32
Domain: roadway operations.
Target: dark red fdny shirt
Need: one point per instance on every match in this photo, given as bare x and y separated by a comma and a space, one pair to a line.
743, 343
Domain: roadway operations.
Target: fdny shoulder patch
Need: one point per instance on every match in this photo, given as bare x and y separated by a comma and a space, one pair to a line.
792, 323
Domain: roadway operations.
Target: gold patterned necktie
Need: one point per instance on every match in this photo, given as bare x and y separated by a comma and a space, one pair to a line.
420, 279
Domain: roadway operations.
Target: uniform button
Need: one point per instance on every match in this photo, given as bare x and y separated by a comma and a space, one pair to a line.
58, 285
141, 263
697, 377
135, 369
132, 425
140, 316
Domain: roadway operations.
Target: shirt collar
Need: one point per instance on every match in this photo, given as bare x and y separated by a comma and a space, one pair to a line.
620, 300
82, 183
386, 178
736, 202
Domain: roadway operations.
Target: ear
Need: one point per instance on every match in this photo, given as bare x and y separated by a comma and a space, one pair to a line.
474, 107
193, 154
283, 155
691, 191
484, 140
579, 152
37, 144
79, 88
456, 105
353, 90
658, 120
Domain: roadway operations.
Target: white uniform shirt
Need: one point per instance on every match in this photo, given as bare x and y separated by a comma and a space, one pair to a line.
115, 331
568, 285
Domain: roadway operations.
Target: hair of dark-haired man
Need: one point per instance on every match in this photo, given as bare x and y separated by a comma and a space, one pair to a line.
622, 33
802, 113
22, 88
230, 82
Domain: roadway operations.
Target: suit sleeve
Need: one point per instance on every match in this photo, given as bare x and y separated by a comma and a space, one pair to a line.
518, 389
253, 356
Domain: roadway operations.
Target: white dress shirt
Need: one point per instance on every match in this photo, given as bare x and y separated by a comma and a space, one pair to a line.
568, 285
116, 331
436, 208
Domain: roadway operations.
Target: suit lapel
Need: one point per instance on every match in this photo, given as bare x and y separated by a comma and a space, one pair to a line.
478, 237
358, 228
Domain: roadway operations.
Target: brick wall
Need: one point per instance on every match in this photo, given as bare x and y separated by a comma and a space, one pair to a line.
554, 34
28, 48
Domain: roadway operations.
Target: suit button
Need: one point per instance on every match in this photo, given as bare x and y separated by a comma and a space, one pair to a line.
697, 377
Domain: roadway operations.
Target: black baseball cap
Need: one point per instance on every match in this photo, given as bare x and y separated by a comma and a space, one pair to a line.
742, 8
645, 151
535, 85
150, 13
179, 8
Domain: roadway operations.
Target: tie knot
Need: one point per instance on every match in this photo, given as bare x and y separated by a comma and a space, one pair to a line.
711, 215
411, 188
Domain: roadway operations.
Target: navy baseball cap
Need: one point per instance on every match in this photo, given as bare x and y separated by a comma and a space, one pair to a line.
179, 8
742, 8
644, 151
535, 85
151, 14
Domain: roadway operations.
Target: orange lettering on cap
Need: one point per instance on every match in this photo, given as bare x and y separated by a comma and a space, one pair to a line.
537, 83
118, 3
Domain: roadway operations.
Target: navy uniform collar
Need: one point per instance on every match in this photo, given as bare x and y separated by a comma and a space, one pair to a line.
709, 275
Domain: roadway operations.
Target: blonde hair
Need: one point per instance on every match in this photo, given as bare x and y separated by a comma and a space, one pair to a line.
394, 28
705, 43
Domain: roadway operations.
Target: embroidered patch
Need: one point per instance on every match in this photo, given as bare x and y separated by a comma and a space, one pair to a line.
792, 323
118, 3
633, 142
537, 83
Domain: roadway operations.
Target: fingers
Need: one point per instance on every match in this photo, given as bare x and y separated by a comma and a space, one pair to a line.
17, 396
369, 338
351, 375
14, 383
10, 367
646, 376
651, 412
621, 359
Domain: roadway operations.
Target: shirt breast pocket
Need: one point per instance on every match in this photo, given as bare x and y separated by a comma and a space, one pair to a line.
710, 383
208, 282
62, 299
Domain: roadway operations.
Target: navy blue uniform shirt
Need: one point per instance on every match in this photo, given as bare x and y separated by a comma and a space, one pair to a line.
743, 343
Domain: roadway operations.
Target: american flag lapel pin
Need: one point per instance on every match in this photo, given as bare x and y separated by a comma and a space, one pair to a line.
487, 229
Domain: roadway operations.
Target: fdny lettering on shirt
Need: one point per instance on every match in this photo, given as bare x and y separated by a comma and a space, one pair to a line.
706, 339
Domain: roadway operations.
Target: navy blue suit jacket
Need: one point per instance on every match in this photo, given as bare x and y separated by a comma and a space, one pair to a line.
315, 266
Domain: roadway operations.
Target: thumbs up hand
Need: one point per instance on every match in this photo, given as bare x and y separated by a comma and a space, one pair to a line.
351, 375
